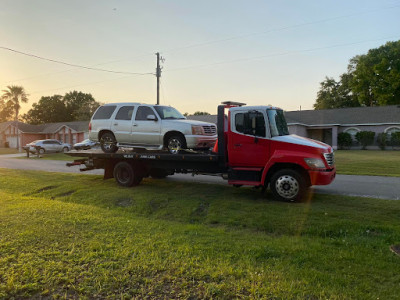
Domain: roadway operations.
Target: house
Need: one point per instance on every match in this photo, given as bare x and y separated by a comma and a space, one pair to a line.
325, 125
67, 132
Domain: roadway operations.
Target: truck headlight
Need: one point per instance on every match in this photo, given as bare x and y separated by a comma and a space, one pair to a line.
197, 130
315, 163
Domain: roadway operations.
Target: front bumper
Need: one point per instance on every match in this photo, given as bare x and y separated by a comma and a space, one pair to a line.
322, 177
200, 141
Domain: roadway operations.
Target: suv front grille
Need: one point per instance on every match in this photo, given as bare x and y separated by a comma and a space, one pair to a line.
209, 129
330, 158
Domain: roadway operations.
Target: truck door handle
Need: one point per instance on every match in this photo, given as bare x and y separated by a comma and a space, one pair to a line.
238, 145
115, 124
134, 124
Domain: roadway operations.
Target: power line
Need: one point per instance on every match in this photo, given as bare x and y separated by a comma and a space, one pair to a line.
65, 71
72, 65
279, 29
275, 55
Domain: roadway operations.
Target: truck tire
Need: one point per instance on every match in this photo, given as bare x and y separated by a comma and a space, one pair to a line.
126, 174
288, 185
108, 143
175, 144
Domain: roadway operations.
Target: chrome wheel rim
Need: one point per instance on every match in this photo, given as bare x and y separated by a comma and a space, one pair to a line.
107, 142
287, 186
174, 145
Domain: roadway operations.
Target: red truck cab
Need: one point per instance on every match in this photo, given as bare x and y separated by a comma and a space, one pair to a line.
258, 150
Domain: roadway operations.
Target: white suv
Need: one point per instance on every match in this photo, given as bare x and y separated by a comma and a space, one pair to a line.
146, 126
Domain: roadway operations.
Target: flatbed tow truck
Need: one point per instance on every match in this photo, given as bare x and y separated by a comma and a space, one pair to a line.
253, 148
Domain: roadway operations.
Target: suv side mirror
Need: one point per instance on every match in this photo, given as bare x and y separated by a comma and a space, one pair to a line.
151, 118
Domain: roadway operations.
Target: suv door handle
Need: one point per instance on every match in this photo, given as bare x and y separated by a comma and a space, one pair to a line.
115, 124
134, 124
238, 145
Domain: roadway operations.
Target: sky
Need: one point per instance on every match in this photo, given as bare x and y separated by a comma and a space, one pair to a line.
256, 52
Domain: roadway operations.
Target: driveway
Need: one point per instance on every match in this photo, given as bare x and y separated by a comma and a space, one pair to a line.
349, 185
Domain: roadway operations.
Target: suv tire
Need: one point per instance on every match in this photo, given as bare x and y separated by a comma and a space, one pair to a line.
175, 143
108, 143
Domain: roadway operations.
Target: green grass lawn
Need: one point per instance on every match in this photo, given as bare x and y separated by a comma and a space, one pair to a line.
77, 236
8, 151
368, 162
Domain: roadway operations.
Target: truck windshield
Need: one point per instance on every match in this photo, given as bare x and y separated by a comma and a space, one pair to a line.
168, 113
277, 122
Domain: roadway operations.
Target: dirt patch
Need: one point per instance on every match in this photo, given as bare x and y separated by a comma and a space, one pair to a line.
395, 249
65, 194
43, 189
124, 202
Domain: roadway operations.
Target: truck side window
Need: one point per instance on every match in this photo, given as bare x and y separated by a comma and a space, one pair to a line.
143, 112
125, 113
244, 123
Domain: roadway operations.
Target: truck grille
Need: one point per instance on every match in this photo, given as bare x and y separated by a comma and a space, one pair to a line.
209, 129
330, 158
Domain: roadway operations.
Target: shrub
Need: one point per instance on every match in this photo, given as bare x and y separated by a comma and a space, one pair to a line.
382, 140
395, 139
365, 138
344, 140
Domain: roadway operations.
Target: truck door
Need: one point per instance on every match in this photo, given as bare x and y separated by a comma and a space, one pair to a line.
122, 124
146, 127
248, 145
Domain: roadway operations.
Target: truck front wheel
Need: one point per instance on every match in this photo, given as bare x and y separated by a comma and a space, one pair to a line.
126, 174
288, 185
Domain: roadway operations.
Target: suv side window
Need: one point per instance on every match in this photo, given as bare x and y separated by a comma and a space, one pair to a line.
104, 112
244, 123
125, 113
143, 112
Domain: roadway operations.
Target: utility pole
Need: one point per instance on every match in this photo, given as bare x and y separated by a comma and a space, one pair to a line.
158, 75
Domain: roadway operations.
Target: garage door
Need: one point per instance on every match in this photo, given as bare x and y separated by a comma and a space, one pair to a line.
12, 141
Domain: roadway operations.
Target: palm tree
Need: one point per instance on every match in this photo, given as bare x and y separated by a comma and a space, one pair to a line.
13, 96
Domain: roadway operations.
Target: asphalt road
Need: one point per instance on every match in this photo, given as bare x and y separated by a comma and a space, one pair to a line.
364, 186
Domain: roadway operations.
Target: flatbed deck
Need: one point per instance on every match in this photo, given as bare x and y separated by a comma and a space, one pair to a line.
145, 155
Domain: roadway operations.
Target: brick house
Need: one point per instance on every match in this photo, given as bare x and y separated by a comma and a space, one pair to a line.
67, 132
325, 125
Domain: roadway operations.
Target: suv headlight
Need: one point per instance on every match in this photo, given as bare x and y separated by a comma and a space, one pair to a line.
315, 163
197, 130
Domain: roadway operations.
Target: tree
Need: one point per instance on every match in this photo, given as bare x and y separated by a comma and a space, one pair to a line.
6, 111
334, 94
80, 106
372, 79
201, 113
73, 106
13, 96
376, 75
49, 109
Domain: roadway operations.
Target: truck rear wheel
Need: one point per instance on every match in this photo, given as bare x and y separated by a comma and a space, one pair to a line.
288, 185
126, 174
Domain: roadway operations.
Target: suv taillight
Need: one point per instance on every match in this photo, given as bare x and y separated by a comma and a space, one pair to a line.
90, 126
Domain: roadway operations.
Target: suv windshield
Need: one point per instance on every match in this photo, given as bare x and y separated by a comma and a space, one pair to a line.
277, 122
167, 112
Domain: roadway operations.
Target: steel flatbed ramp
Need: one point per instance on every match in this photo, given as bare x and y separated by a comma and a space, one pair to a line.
146, 155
